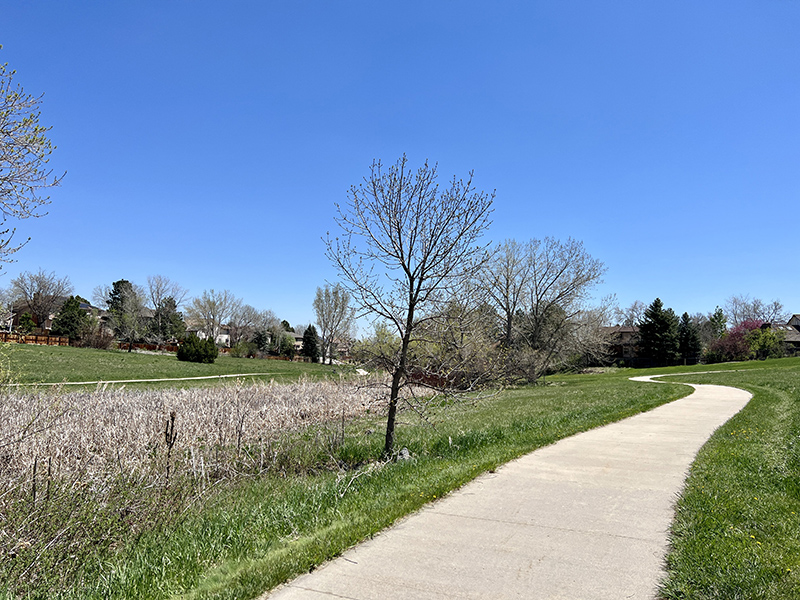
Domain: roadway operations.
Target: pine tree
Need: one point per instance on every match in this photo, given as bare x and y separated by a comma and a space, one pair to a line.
311, 343
689, 344
658, 333
72, 321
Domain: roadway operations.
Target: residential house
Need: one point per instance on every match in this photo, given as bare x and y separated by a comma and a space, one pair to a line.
790, 331
623, 342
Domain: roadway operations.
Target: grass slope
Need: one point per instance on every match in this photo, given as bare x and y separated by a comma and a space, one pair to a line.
736, 534
259, 533
56, 364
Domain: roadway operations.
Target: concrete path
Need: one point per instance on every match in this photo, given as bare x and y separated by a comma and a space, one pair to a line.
585, 518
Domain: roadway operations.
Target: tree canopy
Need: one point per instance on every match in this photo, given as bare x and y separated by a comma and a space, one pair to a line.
25, 151
404, 249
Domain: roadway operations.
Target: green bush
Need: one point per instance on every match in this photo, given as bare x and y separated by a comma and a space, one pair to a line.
244, 350
193, 349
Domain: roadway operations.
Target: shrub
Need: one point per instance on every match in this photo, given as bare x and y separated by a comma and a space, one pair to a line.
193, 349
26, 324
244, 350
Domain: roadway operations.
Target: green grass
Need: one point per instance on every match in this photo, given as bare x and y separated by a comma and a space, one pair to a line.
737, 529
57, 364
259, 533
736, 534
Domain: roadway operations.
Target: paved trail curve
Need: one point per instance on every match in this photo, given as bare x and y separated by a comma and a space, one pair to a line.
585, 518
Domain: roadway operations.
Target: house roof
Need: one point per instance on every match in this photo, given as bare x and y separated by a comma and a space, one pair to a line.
790, 334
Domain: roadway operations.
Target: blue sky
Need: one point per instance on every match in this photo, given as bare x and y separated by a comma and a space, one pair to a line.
208, 141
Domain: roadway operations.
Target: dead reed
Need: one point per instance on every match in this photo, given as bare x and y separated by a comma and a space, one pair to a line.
83, 471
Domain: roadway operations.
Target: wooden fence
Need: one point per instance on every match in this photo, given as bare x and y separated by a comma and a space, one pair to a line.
32, 338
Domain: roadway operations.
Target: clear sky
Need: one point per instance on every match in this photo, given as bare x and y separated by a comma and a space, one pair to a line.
208, 141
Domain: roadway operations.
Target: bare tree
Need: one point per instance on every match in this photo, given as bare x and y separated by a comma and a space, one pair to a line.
505, 279
211, 311
335, 317
24, 153
159, 288
632, 315
541, 292
243, 323
406, 246
42, 293
739, 309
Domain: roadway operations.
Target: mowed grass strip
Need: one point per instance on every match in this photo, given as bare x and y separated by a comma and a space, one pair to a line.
254, 535
737, 529
57, 364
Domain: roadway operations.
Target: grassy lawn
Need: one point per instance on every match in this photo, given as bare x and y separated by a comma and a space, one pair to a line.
55, 364
736, 534
254, 535
737, 528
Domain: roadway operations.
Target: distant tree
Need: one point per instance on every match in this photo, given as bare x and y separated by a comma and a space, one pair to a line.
406, 247
505, 279
41, 293
311, 344
24, 153
739, 309
734, 345
379, 350
286, 346
541, 292
167, 323
632, 315
658, 333
211, 311
286, 326
126, 303
72, 321
262, 339
159, 288
689, 344
243, 323
718, 323
335, 317
766, 342
26, 323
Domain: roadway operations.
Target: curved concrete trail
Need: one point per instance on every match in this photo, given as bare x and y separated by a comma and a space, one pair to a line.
585, 518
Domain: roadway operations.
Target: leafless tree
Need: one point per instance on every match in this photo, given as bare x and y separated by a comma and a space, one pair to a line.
541, 292
42, 293
335, 317
159, 288
632, 315
24, 153
739, 309
505, 280
211, 311
405, 247
243, 323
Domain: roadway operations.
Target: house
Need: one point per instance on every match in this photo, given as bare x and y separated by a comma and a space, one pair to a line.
222, 339
790, 331
623, 342
21, 307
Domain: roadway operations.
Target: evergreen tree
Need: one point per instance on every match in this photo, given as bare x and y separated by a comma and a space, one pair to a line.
72, 321
658, 333
311, 343
26, 323
689, 345
126, 305
286, 346
167, 323
718, 323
